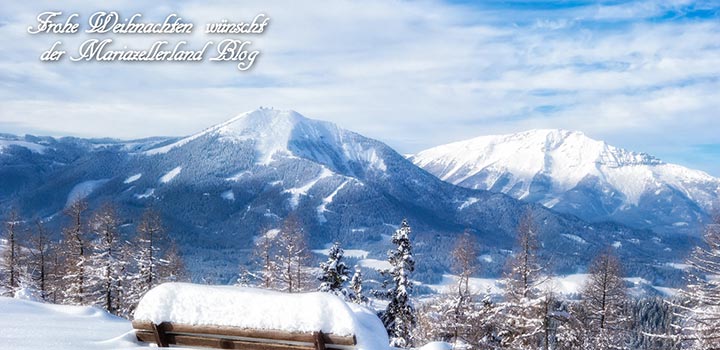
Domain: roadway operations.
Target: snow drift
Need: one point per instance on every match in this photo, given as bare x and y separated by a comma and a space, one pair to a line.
242, 307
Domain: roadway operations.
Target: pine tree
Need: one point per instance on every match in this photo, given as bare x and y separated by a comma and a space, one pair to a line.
356, 285
105, 262
604, 298
335, 272
523, 309
292, 256
75, 255
399, 316
10, 263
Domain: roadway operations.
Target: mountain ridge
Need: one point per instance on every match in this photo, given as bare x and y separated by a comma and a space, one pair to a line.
561, 168
221, 187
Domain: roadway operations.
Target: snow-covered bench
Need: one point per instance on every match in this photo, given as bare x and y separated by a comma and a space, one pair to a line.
168, 333
227, 317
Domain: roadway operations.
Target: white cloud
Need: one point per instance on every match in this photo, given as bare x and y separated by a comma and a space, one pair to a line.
413, 74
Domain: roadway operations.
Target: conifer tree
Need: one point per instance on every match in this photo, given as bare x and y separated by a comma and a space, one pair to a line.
399, 316
334, 277
356, 285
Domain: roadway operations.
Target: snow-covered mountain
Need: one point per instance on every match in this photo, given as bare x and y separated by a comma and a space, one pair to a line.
572, 173
219, 189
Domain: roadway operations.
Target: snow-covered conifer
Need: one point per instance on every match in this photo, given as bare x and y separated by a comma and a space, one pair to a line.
356, 285
335, 273
399, 316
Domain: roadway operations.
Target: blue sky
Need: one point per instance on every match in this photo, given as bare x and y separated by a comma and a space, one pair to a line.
643, 75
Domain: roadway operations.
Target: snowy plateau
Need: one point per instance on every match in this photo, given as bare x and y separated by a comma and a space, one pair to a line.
217, 190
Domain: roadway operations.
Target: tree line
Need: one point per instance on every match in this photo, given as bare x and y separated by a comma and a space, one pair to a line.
529, 313
93, 263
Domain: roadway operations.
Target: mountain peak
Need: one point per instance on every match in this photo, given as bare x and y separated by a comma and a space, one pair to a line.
270, 128
557, 167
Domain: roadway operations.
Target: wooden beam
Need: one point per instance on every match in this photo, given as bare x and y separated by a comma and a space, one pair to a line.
160, 336
169, 327
319, 340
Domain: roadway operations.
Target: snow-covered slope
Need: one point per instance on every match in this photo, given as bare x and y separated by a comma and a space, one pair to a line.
570, 172
218, 189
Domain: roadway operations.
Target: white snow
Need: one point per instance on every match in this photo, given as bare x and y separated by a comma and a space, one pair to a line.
229, 195
437, 345
477, 285
83, 189
28, 325
566, 158
238, 176
574, 238
276, 133
149, 192
679, 266
133, 178
349, 253
33, 147
322, 208
195, 304
375, 264
617, 244
170, 175
296, 192
470, 201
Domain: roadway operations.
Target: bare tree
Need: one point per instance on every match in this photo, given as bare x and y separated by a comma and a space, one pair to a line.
173, 268
106, 261
41, 258
465, 264
604, 298
701, 312
10, 264
523, 308
75, 237
264, 253
292, 255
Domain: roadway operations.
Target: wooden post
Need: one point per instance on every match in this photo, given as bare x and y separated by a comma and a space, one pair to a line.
319, 340
160, 336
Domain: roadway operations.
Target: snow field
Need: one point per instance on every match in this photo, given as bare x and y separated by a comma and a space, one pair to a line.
28, 325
